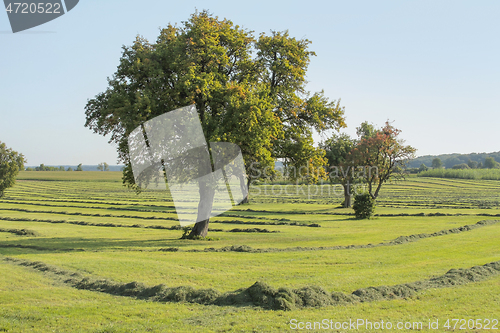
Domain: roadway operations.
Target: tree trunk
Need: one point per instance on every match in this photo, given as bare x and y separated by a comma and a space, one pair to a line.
347, 196
207, 193
200, 229
247, 197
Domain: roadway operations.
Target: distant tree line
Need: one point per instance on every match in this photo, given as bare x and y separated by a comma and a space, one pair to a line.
473, 160
43, 167
489, 163
103, 166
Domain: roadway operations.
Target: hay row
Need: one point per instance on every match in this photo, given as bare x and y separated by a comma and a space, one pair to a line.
20, 232
398, 241
279, 222
89, 207
88, 214
261, 294
30, 200
116, 225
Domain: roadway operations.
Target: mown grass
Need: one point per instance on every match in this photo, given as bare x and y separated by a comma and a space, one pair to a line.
31, 302
334, 270
85, 176
94, 226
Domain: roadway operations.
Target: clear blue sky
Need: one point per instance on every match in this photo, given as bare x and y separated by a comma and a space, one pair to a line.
433, 67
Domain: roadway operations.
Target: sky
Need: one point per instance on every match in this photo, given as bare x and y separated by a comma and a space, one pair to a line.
431, 67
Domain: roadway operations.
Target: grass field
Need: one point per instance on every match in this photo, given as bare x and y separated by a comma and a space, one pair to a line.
81, 253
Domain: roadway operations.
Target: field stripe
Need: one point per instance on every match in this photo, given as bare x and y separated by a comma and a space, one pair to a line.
245, 248
89, 214
398, 241
261, 294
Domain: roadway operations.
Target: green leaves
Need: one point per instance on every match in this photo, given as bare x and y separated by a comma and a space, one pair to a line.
258, 102
377, 156
386, 152
364, 206
11, 162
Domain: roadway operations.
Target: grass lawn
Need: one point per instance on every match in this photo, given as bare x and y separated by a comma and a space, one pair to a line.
87, 223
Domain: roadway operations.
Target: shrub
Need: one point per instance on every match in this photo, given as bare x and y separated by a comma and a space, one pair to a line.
364, 206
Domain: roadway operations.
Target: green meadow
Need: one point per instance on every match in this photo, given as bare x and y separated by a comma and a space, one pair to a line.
79, 252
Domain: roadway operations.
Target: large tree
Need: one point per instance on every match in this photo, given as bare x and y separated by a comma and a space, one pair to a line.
11, 162
257, 102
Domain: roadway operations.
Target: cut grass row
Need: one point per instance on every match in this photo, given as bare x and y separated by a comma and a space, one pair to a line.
32, 302
340, 270
261, 294
337, 231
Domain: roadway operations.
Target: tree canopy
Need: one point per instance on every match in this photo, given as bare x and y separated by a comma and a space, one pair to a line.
11, 162
248, 91
383, 156
338, 150
437, 163
103, 166
375, 157
490, 163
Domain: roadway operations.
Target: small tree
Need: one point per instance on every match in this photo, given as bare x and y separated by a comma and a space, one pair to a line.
69, 169
100, 167
364, 206
79, 167
10, 164
338, 149
437, 163
381, 157
490, 163
472, 164
423, 167
106, 166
